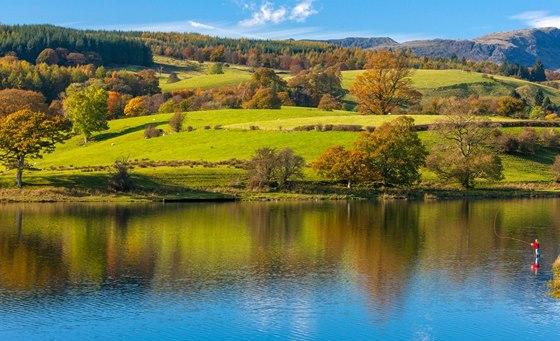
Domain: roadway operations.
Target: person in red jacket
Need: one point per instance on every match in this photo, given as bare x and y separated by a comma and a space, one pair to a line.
536, 246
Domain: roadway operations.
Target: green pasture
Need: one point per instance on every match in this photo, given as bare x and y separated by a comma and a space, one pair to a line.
447, 83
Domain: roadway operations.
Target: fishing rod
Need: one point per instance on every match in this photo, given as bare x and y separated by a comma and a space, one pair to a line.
505, 237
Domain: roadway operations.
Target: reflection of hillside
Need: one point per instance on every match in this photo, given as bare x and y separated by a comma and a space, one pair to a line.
255, 246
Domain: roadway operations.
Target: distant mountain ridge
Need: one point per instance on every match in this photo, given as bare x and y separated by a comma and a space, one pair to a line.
522, 46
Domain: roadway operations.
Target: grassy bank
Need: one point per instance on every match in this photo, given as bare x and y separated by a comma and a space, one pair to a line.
555, 283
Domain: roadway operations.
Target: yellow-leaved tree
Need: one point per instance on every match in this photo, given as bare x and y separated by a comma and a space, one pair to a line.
27, 134
385, 85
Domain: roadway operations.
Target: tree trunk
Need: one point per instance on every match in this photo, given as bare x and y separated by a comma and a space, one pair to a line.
85, 139
20, 164
349, 185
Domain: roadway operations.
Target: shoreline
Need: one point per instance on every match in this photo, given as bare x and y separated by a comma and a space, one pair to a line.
61, 194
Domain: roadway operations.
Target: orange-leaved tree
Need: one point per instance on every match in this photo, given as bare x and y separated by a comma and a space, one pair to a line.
28, 134
385, 85
340, 164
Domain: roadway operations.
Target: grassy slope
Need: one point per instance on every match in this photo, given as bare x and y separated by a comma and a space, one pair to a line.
125, 139
445, 83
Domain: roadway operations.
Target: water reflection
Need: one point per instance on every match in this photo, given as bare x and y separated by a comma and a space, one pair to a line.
275, 259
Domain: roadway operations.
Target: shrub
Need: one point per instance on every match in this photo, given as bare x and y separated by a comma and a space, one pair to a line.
151, 131
347, 127
556, 169
172, 78
329, 103
176, 122
527, 140
269, 168
507, 143
120, 180
189, 129
550, 138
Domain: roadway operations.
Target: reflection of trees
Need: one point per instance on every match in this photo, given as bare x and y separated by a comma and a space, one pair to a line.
379, 241
198, 247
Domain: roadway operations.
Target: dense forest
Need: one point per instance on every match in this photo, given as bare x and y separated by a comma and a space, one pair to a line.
98, 47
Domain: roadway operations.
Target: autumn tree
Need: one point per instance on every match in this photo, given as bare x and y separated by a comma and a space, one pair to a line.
509, 106
12, 100
27, 134
463, 151
395, 152
47, 56
310, 86
329, 103
385, 85
340, 164
87, 109
136, 107
267, 78
264, 98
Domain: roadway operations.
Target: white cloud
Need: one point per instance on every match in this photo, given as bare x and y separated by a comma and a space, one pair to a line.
303, 10
538, 19
269, 13
201, 25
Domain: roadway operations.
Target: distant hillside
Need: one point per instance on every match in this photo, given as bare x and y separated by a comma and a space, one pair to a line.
523, 47
27, 41
364, 43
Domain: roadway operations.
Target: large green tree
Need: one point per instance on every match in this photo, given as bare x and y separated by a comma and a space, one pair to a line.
395, 152
87, 109
27, 134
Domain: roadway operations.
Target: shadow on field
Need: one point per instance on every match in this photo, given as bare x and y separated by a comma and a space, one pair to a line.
167, 68
85, 184
543, 156
129, 130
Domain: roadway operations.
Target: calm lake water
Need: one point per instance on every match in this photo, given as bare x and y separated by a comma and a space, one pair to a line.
328, 271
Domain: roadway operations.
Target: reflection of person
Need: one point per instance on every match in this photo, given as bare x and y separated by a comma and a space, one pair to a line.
536, 246
535, 266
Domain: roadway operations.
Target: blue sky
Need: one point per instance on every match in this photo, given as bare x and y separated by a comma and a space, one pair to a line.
402, 20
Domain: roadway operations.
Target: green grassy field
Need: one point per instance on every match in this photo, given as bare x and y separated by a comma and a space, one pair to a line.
447, 83
125, 139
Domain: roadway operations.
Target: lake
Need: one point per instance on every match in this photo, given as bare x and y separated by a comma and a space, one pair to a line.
290, 270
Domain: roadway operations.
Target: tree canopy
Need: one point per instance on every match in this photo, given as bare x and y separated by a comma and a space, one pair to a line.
87, 109
385, 85
28, 134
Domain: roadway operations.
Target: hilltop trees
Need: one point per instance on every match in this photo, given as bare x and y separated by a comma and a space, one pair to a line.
386, 84
27, 134
87, 109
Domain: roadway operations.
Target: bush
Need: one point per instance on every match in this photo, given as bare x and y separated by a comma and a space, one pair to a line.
556, 169
347, 127
151, 131
172, 78
176, 122
269, 168
550, 138
216, 69
527, 140
329, 103
507, 143
120, 180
